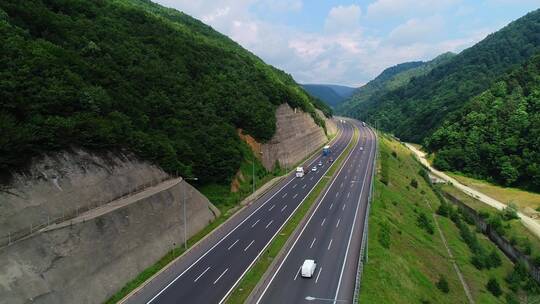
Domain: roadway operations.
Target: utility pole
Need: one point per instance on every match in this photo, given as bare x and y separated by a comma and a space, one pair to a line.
184, 207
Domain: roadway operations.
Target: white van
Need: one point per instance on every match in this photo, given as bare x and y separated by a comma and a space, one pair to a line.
300, 172
308, 268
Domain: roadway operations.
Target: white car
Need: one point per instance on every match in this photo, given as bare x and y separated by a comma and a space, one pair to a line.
308, 268
361, 148
314, 169
320, 163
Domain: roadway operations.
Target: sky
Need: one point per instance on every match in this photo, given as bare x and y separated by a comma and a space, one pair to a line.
351, 42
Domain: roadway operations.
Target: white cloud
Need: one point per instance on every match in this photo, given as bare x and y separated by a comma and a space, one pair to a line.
342, 53
282, 5
343, 18
417, 30
407, 8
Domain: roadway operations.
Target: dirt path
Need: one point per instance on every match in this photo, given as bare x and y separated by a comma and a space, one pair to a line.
530, 223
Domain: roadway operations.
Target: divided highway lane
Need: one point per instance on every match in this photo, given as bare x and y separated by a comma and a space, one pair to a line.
332, 236
213, 274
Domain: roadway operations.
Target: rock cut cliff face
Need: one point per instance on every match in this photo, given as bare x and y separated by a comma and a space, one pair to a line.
297, 135
89, 260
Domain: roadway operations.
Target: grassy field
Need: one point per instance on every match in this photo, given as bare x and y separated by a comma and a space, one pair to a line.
252, 277
405, 260
523, 199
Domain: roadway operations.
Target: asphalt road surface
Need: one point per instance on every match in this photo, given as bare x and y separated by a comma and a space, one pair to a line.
208, 274
332, 237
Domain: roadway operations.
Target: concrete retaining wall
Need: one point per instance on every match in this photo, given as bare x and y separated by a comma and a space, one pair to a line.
90, 261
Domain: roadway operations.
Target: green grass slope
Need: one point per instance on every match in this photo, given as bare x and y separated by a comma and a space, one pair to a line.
406, 255
414, 111
130, 74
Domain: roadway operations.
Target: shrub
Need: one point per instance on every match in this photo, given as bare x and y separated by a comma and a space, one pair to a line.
414, 183
495, 222
510, 212
384, 235
442, 284
494, 287
444, 209
425, 223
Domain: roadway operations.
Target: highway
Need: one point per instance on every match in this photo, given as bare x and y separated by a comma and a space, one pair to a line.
209, 273
332, 237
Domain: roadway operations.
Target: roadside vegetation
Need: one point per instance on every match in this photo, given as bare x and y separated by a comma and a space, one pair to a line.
133, 75
257, 271
407, 259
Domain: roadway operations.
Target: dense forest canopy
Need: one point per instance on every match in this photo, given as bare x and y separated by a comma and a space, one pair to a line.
496, 135
390, 79
130, 74
415, 110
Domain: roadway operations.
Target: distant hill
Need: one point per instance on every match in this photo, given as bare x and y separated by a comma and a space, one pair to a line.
415, 110
390, 79
496, 136
329, 93
133, 75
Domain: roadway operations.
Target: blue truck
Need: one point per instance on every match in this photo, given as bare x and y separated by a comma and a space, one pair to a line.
326, 151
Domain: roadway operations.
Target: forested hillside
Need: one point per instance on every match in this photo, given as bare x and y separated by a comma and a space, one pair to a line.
332, 95
415, 110
497, 135
390, 79
130, 74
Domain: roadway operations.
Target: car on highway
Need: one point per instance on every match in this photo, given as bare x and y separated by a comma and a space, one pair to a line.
320, 163
308, 268
314, 169
361, 148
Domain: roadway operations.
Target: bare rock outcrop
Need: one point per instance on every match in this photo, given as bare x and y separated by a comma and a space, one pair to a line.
297, 135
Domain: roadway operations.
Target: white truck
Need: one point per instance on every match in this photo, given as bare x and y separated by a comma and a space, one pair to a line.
299, 172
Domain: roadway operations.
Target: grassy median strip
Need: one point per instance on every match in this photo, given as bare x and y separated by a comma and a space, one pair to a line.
252, 277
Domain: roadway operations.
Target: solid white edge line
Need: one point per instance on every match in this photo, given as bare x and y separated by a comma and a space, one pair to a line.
219, 242
353, 225
307, 223
284, 223
234, 229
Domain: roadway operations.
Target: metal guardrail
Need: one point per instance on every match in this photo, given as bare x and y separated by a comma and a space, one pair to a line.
363, 257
